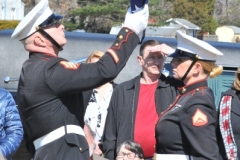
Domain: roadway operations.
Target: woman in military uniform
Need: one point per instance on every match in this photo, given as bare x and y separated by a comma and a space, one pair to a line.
186, 130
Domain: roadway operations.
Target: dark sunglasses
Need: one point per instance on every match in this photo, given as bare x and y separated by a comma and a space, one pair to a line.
52, 19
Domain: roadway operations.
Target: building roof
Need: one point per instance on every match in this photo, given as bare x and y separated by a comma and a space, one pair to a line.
235, 29
185, 23
161, 31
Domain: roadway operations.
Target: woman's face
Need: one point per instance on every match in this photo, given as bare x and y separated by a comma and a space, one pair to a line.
125, 154
180, 66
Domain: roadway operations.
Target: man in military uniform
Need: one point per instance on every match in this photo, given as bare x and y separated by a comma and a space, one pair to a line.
49, 90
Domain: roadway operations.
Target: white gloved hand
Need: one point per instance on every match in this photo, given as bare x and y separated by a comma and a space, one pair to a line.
137, 21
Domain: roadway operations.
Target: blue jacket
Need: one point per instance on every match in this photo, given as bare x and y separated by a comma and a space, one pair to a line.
11, 131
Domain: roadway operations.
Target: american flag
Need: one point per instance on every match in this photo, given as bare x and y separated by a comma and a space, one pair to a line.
137, 5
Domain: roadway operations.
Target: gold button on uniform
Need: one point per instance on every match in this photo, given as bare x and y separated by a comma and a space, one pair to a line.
197, 89
116, 44
120, 37
183, 90
126, 30
80, 149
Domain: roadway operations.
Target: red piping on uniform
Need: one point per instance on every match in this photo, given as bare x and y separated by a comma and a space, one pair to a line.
43, 58
203, 89
50, 54
170, 107
123, 40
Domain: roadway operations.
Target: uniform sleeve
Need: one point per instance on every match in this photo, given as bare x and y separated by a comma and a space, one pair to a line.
12, 132
199, 126
110, 132
65, 77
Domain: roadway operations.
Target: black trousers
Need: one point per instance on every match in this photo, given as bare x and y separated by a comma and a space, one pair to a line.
68, 147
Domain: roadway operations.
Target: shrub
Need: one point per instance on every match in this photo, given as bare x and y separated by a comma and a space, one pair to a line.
8, 24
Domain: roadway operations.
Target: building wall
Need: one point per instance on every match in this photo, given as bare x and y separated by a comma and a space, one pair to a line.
225, 34
11, 9
210, 37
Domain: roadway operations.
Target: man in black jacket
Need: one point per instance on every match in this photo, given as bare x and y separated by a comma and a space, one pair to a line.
50, 88
136, 104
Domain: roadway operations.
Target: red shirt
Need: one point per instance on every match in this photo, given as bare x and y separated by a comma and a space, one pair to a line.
146, 117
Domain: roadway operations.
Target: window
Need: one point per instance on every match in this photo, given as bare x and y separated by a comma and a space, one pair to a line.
13, 13
3, 13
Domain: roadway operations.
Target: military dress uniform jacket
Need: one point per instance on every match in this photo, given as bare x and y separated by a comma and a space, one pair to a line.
188, 126
49, 95
120, 121
235, 118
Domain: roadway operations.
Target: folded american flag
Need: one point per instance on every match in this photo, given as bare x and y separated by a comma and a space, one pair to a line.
137, 5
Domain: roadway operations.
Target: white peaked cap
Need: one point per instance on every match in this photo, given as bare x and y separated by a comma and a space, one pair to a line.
194, 46
35, 17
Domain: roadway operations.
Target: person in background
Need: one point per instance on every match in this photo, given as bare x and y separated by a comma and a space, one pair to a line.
50, 88
11, 131
96, 103
229, 117
130, 150
136, 104
186, 130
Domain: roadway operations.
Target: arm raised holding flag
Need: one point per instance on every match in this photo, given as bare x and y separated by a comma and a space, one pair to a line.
137, 17
57, 108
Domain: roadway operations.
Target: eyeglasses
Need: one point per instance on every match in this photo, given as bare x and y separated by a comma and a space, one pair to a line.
177, 61
129, 156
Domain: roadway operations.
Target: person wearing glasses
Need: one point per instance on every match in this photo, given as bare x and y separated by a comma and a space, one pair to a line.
130, 150
186, 130
229, 117
50, 88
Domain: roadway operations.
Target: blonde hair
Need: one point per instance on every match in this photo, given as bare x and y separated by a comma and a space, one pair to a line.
211, 68
97, 54
236, 83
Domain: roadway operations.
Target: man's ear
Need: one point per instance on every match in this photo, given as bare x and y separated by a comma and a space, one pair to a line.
140, 60
40, 41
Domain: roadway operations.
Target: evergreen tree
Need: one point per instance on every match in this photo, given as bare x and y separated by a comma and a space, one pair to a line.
231, 16
199, 12
114, 11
